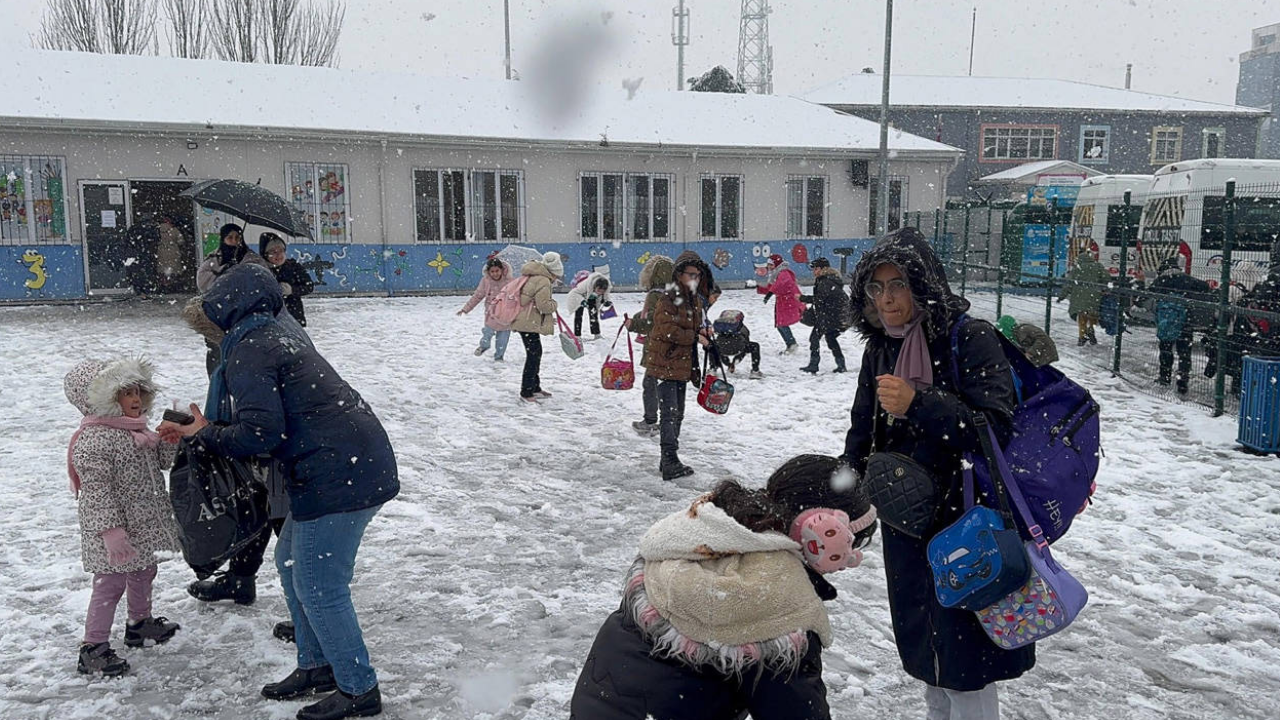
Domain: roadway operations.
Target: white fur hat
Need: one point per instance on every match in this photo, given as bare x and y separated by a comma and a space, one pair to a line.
553, 263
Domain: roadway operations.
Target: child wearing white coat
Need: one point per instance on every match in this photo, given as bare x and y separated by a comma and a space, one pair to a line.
496, 275
116, 467
590, 295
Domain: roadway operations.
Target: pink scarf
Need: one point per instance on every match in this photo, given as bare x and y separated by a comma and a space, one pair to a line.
914, 365
142, 437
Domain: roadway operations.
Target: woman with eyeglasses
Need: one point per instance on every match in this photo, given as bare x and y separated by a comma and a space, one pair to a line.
909, 401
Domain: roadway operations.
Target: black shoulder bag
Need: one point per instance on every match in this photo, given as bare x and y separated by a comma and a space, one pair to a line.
906, 496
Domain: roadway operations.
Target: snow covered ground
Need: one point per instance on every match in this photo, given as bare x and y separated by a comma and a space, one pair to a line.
482, 585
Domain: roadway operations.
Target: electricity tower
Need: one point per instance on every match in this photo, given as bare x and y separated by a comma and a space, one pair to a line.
755, 55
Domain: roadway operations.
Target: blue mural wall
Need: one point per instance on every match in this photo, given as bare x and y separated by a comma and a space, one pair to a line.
41, 272
58, 272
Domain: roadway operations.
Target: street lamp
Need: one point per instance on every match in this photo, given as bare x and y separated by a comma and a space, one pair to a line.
882, 199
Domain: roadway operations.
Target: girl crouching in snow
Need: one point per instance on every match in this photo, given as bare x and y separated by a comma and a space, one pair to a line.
722, 612
116, 465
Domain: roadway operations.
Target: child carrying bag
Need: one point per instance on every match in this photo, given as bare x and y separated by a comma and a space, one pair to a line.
618, 374
979, 558
569, 342
1051, 599
715, 393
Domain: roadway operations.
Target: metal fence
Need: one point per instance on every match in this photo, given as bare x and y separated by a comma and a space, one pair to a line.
1167, 336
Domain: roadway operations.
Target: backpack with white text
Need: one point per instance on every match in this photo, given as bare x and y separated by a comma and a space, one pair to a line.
1054, 443
506, 306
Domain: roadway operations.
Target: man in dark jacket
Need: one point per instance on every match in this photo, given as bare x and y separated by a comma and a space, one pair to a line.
289, 402
1176, 322
294, 280
829, 302
908, 401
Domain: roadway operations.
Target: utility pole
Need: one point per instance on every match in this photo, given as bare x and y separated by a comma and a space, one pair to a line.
882, 199
973, 33
506, 24
679, 38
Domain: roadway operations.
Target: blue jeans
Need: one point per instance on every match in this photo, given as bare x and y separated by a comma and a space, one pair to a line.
316, 559
787, 336
500, 347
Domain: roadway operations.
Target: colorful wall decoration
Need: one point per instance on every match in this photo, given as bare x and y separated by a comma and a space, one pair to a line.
403, 269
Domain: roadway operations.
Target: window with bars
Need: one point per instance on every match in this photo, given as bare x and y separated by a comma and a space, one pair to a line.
468, 205
721, 206
1095, 143
33, 208
1020, 142
806, 206
319, 192
1166, 145
626, 206
897, 192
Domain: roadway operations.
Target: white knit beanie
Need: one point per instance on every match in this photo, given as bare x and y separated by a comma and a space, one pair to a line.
553, 263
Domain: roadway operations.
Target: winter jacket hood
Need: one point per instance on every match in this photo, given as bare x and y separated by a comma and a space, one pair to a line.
92, 386
242, 291
487, 292
689, 257
709, 591
911, 253
657, 273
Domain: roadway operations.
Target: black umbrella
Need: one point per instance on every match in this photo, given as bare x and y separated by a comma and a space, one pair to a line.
254, 203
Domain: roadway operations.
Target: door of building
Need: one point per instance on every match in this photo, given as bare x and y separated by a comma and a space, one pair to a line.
104, 207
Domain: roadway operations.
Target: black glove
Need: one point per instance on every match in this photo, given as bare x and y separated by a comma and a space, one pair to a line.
767, 296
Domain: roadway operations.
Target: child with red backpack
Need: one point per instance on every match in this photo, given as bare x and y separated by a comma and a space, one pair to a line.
733, 343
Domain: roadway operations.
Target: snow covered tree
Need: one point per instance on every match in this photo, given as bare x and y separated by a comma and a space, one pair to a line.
717, 79
117, 27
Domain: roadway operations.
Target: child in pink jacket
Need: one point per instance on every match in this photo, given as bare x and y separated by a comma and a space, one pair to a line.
496, 274
781, 283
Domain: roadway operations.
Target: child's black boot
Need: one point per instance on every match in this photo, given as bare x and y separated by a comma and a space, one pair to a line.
100, 658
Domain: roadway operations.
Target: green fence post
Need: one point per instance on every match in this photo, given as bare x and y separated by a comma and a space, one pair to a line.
964, 256
1224, 297
999, 292
936, 225
1123, 282
987, 256
946, 218
1048, 283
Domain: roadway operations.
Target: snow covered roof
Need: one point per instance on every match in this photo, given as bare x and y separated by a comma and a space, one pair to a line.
89, 91
1030, 172
998, 92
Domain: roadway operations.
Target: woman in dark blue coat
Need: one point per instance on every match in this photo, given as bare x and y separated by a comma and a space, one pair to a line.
289, 402
904, 308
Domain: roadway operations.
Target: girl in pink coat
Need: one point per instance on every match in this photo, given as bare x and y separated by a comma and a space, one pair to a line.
496, 274
781, 283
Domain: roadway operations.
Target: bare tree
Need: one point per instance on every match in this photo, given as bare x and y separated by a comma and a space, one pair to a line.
123, 27
276, 33
232, 30
188, 37
318, 30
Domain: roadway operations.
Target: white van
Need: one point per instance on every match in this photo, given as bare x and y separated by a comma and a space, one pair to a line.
1183, 217
1100, 219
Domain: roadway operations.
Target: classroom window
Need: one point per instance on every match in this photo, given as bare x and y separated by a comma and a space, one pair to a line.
806, 206
721, 206
1095, 143
625, 206
1166, 145
1019, 142
32, 200
475, 205
897, 191
319, 192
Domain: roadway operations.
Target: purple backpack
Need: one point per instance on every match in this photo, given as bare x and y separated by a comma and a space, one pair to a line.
1052, 452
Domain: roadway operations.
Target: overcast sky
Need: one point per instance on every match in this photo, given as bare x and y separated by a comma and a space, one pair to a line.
1187, 48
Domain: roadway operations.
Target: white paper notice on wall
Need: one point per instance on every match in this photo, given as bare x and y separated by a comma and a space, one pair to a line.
108, 218
115, 196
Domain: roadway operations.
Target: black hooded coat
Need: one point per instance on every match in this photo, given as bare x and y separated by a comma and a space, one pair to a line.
943, 647
292, 272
